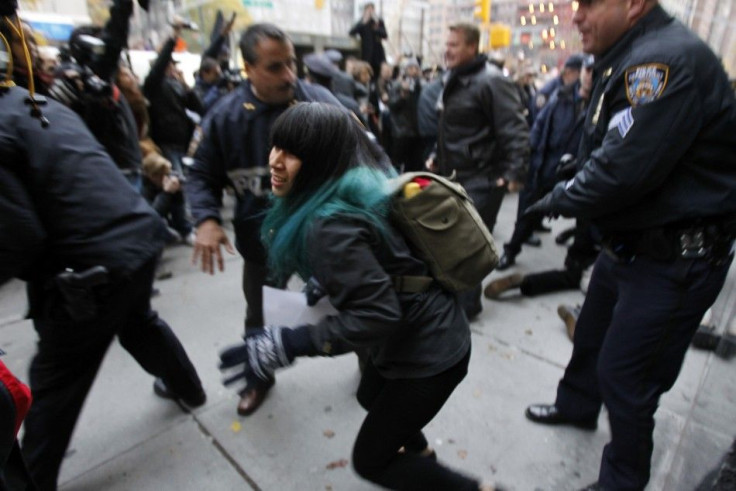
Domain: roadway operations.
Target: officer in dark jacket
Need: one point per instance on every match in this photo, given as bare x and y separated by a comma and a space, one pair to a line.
556, 132
657, 179
483, 136
234, 152
87, 244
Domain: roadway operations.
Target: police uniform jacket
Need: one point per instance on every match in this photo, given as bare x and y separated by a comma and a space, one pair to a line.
409, 335
556, 131
234, 153
659, 142
64, 203
482, 130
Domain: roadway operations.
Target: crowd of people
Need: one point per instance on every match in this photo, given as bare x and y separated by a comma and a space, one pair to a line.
611, 141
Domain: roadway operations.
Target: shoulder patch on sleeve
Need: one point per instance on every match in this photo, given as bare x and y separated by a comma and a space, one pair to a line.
645, 83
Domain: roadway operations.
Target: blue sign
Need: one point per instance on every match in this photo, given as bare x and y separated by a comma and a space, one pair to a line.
55, 31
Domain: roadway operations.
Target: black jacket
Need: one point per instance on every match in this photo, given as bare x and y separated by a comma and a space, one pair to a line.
371, 35
410, 335
170, 100
63, 202
659, 142
110, 118
482, 130
234, 152
403, 108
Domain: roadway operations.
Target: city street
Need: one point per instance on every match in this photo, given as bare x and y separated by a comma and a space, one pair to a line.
301, 438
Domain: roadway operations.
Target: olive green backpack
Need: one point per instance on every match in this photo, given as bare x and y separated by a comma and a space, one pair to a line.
442, 226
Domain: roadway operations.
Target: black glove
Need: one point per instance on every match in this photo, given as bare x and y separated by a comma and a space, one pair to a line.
541, 208
257, 358
314, 291
566, 168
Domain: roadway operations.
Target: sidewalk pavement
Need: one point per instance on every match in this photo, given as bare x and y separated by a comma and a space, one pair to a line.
301, 438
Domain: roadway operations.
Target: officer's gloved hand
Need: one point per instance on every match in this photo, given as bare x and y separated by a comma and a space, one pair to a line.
566, 168
541, 208
257, 358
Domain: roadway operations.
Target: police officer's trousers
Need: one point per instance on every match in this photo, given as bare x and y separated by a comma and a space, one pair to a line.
632, 334
69, 356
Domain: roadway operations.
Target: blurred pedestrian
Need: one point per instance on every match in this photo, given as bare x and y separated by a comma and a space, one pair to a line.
483, 137
406, 153
556, 132
372, 32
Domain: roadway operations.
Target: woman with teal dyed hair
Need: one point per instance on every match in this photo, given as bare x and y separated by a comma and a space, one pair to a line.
329, 225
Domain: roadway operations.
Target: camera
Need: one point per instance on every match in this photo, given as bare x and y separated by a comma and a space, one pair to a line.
94, 86
231, 78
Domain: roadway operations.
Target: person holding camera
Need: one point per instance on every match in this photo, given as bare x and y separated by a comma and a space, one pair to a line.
163, 189
85, 83
372, 32
175, 108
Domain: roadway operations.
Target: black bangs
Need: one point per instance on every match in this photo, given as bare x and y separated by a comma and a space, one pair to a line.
323, 136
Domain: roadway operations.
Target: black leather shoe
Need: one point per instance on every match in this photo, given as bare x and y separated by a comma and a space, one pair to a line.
548, 414
161, 390
252, 397
533, 241
541, 228
506, 261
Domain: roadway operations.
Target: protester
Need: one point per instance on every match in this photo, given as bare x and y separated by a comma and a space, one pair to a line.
657, 176
328, 224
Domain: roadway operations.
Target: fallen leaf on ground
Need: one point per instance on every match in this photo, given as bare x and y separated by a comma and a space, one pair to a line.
236, 427
328, 433
337, 463
462, 454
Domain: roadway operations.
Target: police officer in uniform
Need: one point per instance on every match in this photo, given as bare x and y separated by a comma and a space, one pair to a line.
86, 243
657, 178
234, 152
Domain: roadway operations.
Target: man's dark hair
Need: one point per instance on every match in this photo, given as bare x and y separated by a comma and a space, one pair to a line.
469, 31
254, 35
208, 64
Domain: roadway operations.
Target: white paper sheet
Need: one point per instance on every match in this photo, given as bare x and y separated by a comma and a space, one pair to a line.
289, 308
